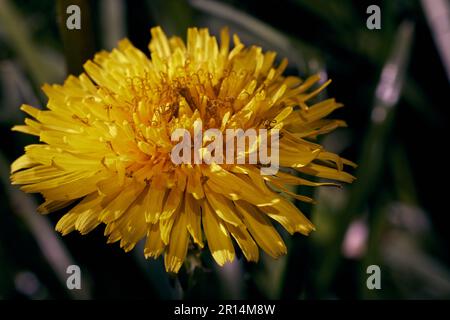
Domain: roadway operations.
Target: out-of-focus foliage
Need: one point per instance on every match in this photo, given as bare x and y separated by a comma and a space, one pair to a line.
395, 90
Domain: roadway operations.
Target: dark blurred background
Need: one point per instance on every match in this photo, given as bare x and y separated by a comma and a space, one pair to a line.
394, 83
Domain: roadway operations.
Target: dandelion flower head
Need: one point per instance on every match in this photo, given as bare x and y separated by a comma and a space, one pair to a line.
105, 142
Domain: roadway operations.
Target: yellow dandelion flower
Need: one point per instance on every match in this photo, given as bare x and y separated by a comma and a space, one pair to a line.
105, 148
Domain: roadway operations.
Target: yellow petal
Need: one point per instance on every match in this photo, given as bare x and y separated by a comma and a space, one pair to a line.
154, 245
223, 207
120, 204
326, 172
262, 230
23, 162
289, 216
177, 248
193, 212
172, 203
159, 43
219, 241
53, 205
245, 242
194, 185
132, 224
154, 202
171, 209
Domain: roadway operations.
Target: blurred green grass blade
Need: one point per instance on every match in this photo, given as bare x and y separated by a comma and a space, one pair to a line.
270, 274
79, 45
20, 40
405, 193
372, 255
372, 156
52, 248
403, 176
